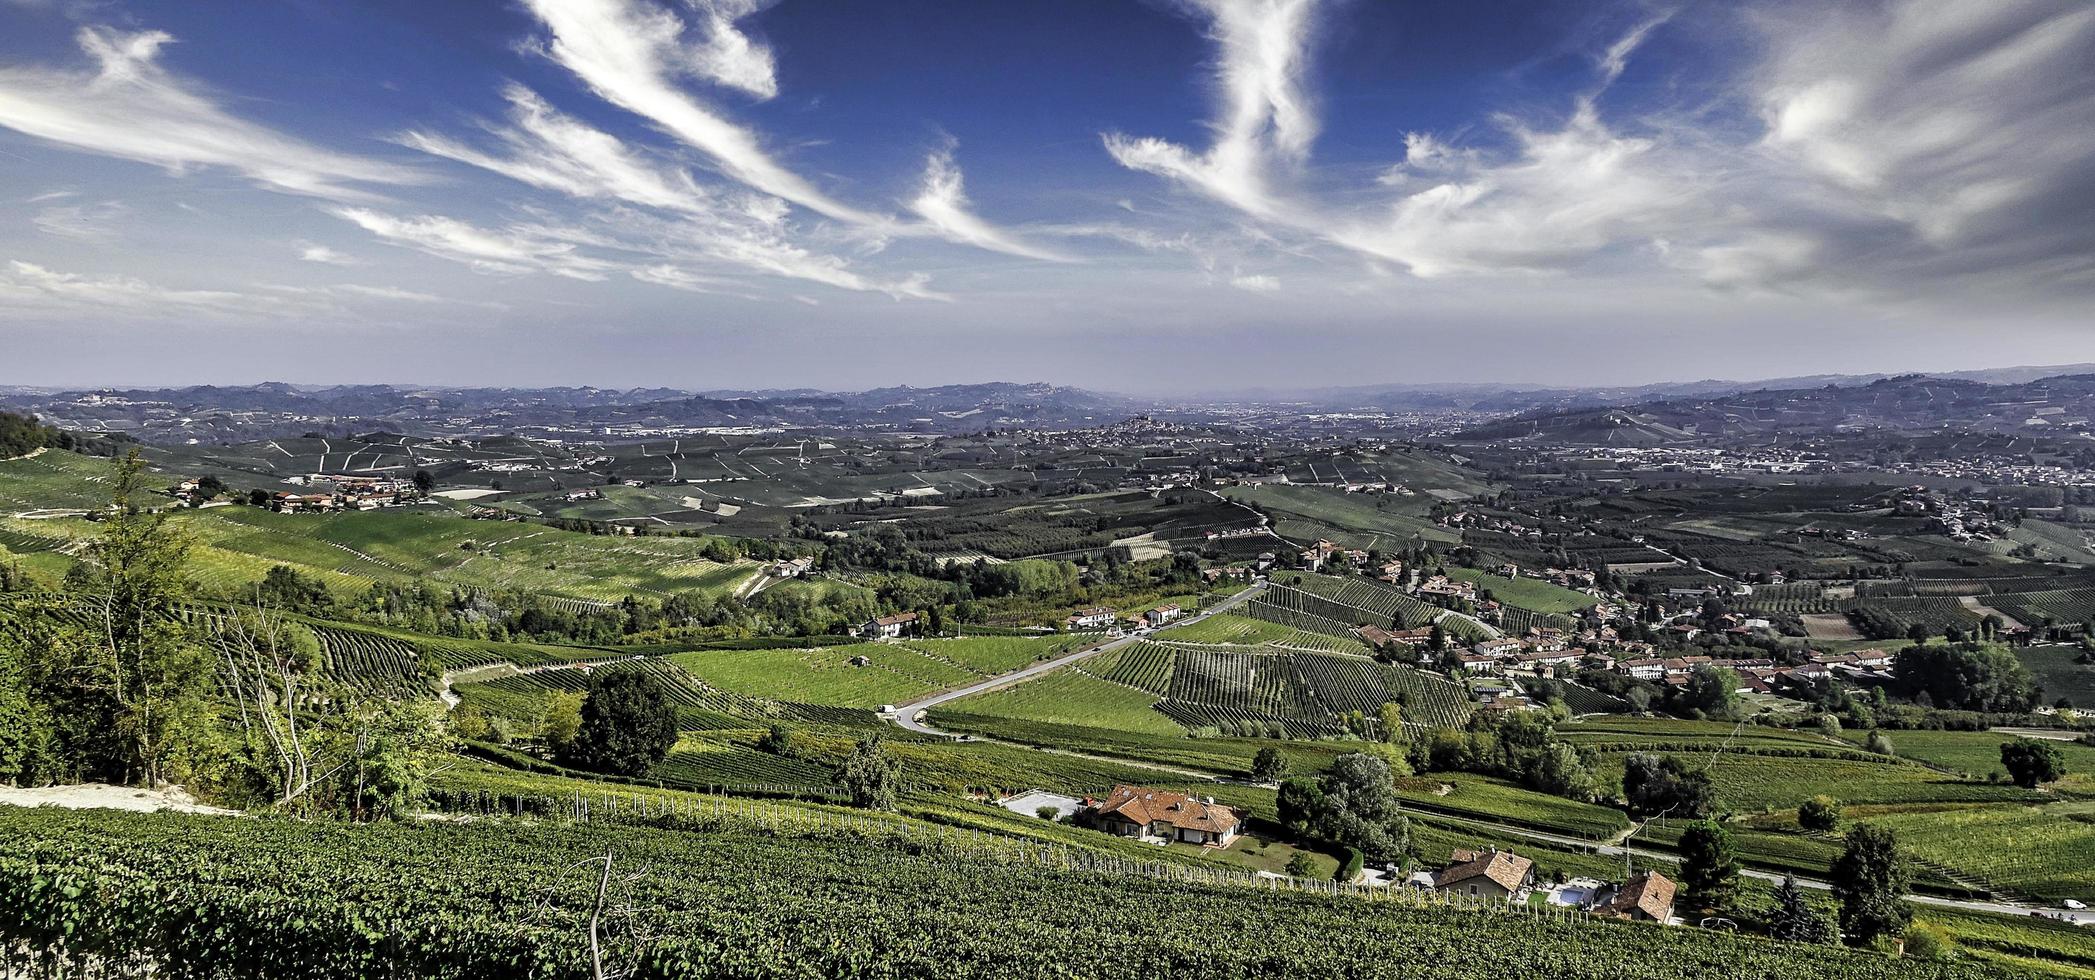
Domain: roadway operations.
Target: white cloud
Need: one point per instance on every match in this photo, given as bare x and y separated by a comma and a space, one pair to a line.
393, 293
1266, 117
130, 107
1256, 284
83, 222
322, 254
548, 149
514, 250
632, 54
31, 286
943, 204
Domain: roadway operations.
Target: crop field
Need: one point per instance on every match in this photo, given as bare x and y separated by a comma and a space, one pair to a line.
1884, 618
989, 655
1384, 521
2062, 542
713, 761
894, 673
1072, 697
1279, 612
1496, 799
1146, 666
54, 480
1976, 754
2049, 606
1229, 628
1533, 595
374, 664
2045, 851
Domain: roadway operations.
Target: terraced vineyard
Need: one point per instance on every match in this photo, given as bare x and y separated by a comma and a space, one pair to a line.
1885, 618
1280, 614
1229, 628
2061, 606
2046, 851
374, 664
1384, 601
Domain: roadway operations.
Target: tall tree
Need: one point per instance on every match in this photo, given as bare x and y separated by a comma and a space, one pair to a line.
1869, 879
871, 775
1795, 918
628, 724
131, 686
1709, 866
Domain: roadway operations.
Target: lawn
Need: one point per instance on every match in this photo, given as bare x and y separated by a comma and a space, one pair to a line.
1974, 753
2061, 677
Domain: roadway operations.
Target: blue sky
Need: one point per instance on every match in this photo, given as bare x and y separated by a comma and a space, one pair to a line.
1172, 195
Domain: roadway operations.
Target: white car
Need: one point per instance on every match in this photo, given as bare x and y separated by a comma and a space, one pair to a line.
2074, 904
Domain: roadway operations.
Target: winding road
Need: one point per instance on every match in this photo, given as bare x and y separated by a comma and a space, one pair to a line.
910, 715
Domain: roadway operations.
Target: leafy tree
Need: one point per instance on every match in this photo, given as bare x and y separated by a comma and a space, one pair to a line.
23, 728
1880, 744
1967, 677
394, 745
1656, 785
1795, 918
628, 724
1709, 866
1869, 879
560, 719
2031, 761
1300, 866
1821, 813
871, 775
425, 482
1711, 692
777, 741
1352, 804
284, 587
1269, 766
129, 689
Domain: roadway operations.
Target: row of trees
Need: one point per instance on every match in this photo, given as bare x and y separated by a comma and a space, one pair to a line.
1869, 883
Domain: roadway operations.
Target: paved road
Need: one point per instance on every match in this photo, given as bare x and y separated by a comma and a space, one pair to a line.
907, 715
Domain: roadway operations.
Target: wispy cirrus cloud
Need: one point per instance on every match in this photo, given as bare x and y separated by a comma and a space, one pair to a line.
129, 106
634, 55
514, 250
1266, 118
1909, 142
735, 228
943, 204
27, 285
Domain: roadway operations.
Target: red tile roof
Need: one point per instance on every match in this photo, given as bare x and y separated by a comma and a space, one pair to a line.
1150, 806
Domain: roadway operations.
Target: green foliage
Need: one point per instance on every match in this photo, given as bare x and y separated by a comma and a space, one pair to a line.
1928, 943
1709, 866
1352, 804
1870, 880
560, 719
1711, 692
2031, 761
1656, 785
396, 746
1796, 919
1966, 676
1820, 813
1301, 866
628, 724
1269, 766
246, 899
871, 775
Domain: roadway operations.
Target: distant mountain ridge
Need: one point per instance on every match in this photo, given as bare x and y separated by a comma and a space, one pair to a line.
1911, 404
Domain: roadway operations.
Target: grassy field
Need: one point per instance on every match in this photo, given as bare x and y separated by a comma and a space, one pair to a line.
893, 674
1527, 593
1749, 782
1229, 628
1487, 798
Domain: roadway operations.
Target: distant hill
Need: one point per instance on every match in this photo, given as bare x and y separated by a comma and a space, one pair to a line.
1910, 404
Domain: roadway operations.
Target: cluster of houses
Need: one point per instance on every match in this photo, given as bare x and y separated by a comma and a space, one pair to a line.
1100, 617
1490, 875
